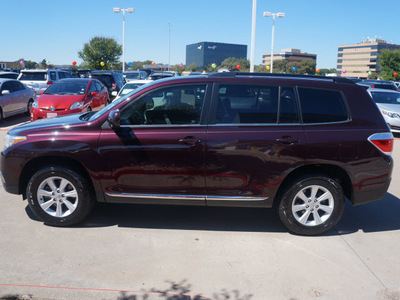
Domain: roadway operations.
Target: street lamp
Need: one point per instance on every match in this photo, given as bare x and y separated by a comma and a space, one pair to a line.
279, 15
129, 10
253, 35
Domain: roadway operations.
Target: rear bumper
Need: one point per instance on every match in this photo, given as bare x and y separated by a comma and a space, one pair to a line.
362, 197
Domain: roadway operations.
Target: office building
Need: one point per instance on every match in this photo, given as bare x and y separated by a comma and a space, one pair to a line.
357, 60
288, 54
206, 53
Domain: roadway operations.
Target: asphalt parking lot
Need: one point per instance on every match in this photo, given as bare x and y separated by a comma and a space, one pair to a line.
165, 252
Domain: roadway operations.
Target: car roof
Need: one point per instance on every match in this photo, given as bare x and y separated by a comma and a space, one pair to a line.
7, 79
76, 79
7, 72
383, 91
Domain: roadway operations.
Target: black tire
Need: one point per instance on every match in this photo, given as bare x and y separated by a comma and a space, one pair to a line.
28, 107
1, 115
306, 214
66, 206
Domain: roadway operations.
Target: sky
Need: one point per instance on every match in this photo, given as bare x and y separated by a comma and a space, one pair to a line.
56, 30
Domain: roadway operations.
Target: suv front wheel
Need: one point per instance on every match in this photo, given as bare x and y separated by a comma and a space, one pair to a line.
311, 205
59, 196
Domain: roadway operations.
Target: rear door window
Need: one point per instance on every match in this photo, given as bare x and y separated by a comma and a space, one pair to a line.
322, 106
243, 104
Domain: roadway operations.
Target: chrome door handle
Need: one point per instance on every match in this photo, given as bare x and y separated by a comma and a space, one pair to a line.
287, 140
190, 140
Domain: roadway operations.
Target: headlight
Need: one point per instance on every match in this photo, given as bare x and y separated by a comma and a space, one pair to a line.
76, 105
35, 104
391, 114
12, 139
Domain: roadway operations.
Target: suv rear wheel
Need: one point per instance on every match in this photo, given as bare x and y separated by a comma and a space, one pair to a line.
312, 205
59, 196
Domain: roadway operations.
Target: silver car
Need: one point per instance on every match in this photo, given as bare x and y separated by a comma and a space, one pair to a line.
15, 98
388, 102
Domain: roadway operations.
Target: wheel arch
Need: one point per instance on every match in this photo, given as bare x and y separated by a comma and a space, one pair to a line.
333, 171
41, 162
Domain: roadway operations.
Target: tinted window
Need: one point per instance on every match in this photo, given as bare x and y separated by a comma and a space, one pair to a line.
67, 88
388, 98
107, 80
288, 111
9, 75
18, 86
240, 104
322, 106
98, 86
175, 105
7, 86
53, 76
34, 76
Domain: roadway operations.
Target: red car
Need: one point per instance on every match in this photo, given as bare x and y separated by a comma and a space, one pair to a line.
70, 96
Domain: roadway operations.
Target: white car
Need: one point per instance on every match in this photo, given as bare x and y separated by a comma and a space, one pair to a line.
388, 102
129, 87
40, 80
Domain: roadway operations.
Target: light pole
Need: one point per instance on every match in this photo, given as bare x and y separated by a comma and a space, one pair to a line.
253, 35
279, 15
169, 44
117, 10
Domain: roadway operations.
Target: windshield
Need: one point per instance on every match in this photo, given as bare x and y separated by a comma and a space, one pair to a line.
116, 102
387, 98
131, 75
67, 88
34, 76
129, 87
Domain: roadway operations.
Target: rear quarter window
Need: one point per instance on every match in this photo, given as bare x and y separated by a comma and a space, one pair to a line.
322, 106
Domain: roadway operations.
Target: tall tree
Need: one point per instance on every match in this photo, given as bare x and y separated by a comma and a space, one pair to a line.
389, 63
101, 50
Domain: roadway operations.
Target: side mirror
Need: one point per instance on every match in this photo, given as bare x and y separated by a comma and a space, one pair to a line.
5, 92
94, 94
114, 93
114, 119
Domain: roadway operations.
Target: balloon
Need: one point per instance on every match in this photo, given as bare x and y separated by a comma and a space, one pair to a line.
48, 63
74, 63
344, 71
369, 72
317, 71
294, 68
238, 67
268, 67
21, 62
180, 64
213, 66
153, 63
395, 74
102, 64
129, 64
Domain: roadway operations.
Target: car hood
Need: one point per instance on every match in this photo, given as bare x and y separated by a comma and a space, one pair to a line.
58, 101
67, 122
389, 107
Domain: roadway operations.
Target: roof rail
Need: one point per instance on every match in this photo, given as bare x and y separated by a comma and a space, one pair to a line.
250, 74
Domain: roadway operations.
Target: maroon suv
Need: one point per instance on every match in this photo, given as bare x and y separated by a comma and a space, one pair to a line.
301, 143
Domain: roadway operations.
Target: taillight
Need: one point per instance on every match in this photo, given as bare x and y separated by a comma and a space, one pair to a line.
373, 86
382, 141
114, 86
49, 82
